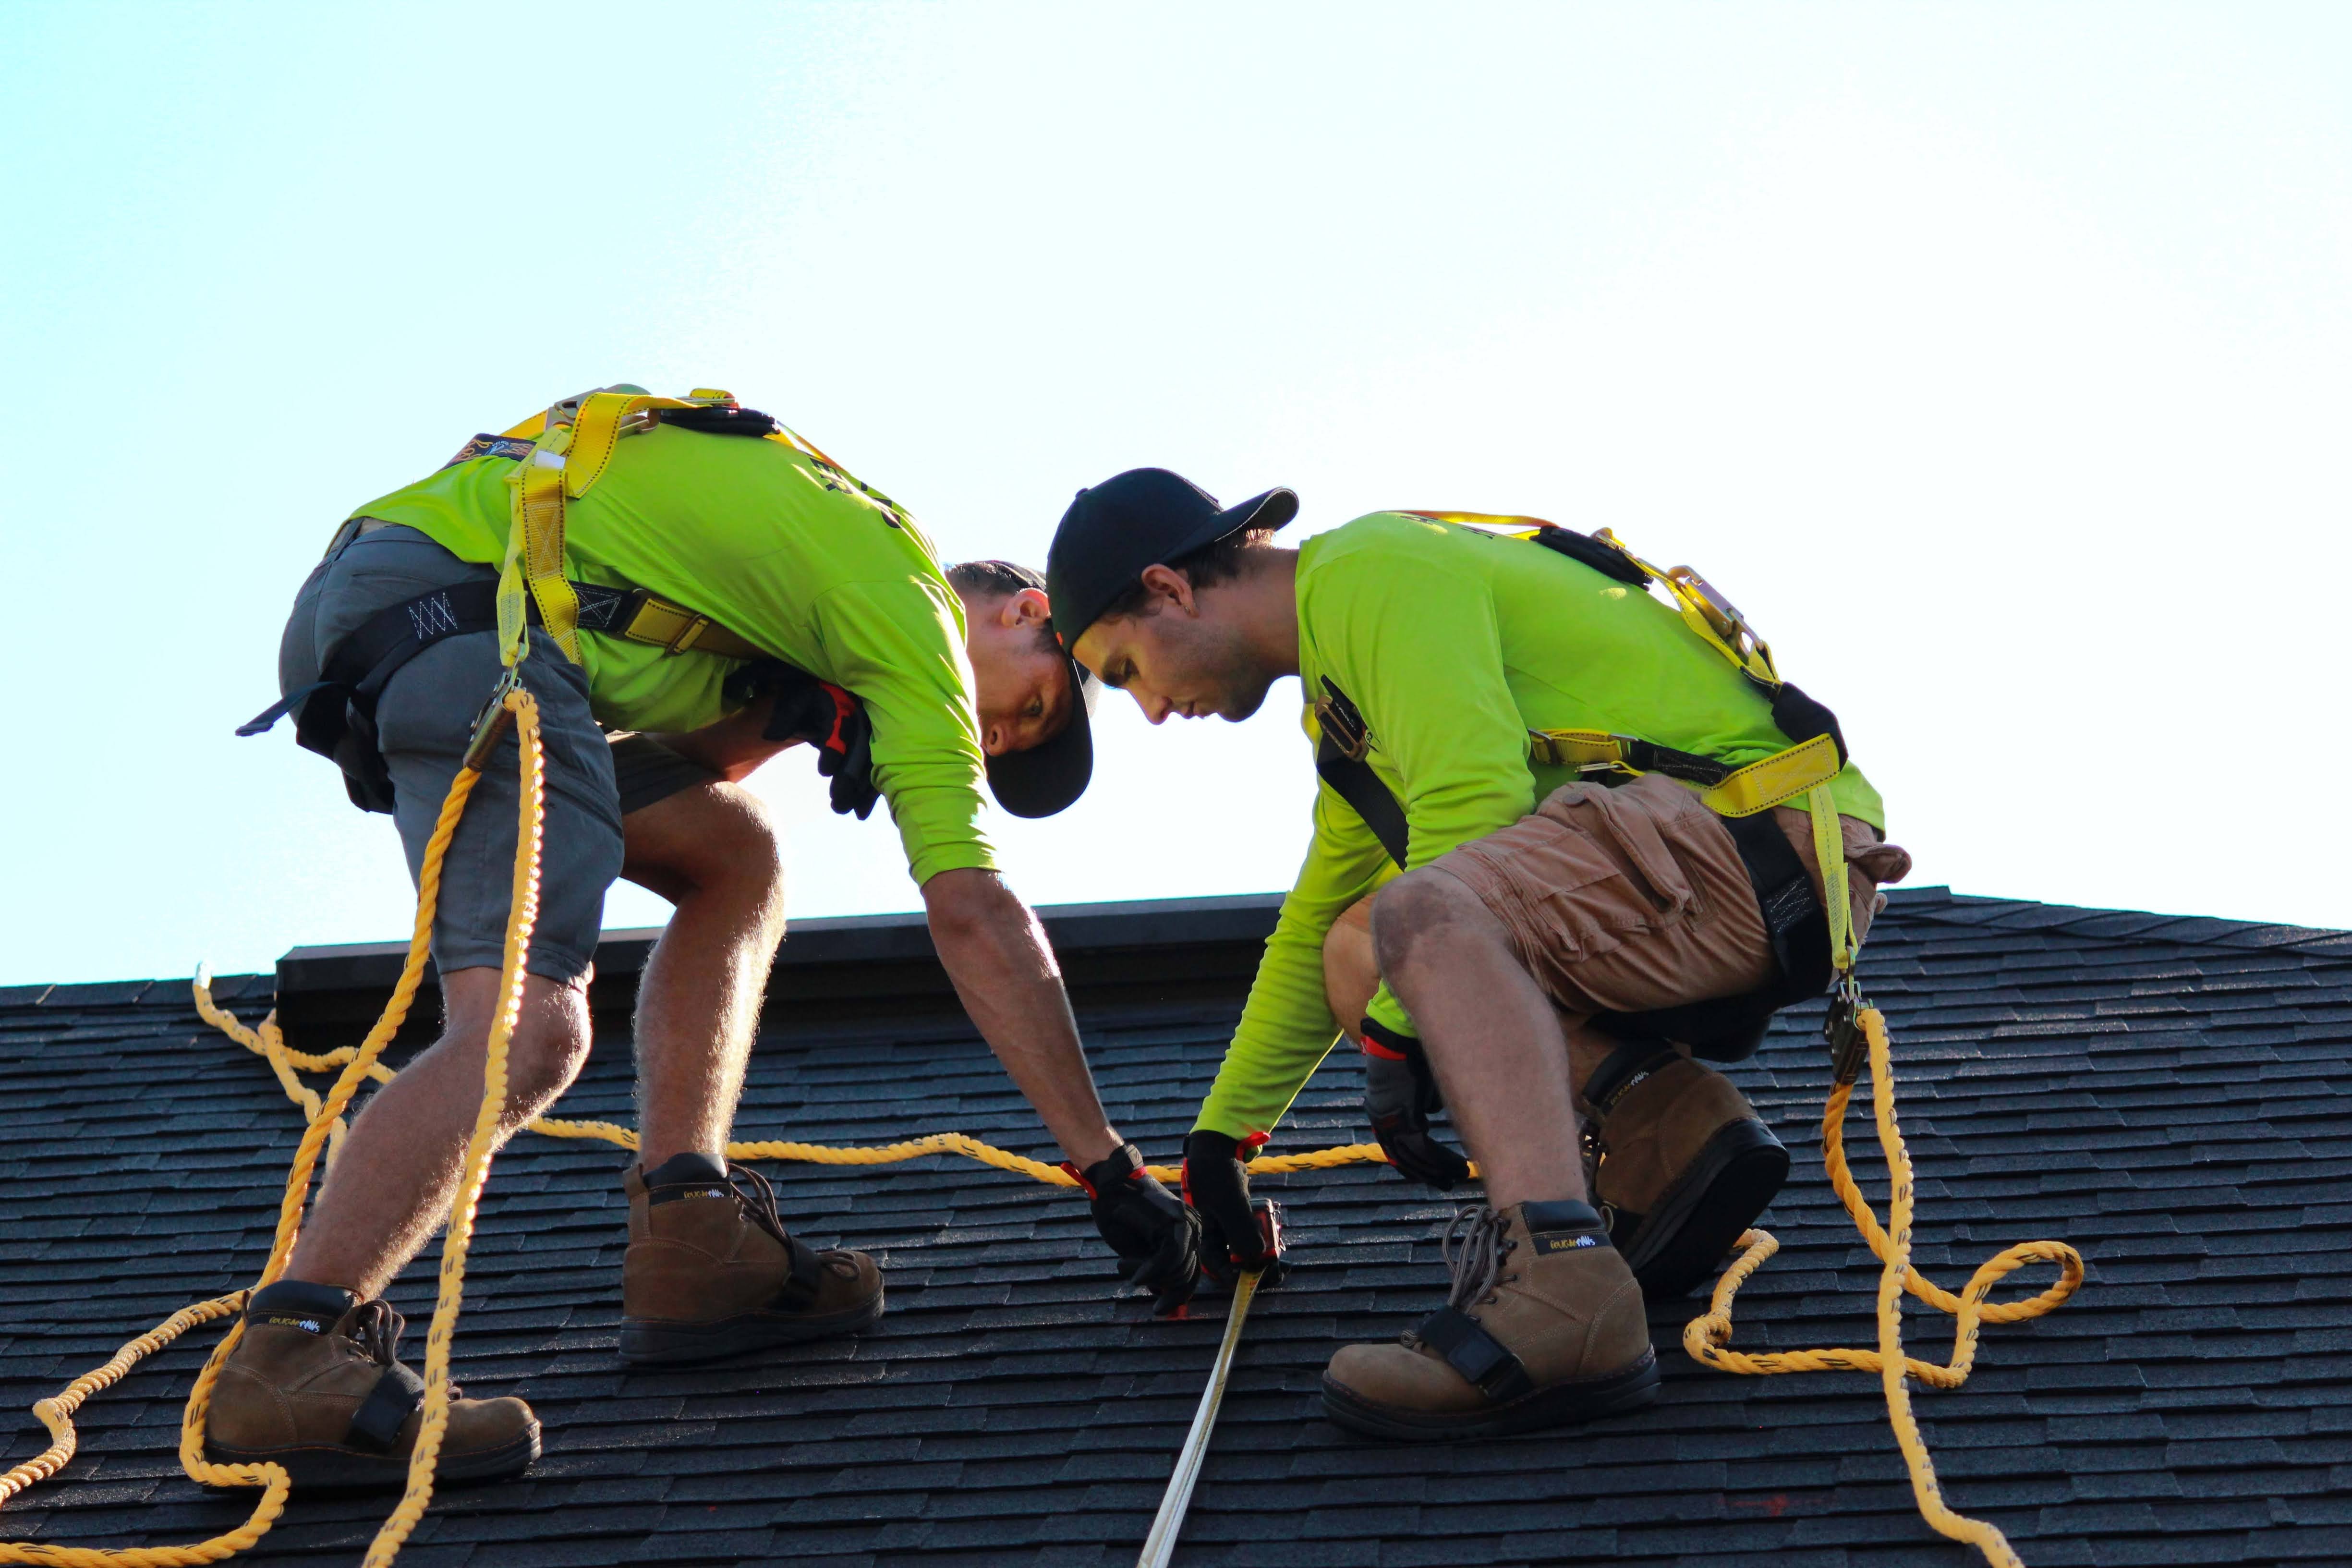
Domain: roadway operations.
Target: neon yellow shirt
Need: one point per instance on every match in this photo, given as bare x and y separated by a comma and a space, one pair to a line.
766, 543
1454, 643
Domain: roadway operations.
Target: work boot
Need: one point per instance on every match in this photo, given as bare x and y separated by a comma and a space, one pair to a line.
1682, 1164
316, 1386
711, 1271
1544, 1327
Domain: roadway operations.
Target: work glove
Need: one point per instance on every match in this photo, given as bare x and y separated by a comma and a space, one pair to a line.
1155, 1236
828, 718
1399, 1095
1216, 1183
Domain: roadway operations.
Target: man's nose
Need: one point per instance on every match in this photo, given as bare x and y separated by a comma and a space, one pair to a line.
1155, 709
991, 741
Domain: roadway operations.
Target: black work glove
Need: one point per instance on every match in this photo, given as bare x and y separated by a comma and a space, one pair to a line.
824, 715
1149, 1227
1216, 1183
1399, 1094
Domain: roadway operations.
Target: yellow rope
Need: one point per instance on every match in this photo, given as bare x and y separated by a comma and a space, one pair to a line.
267, 1042
1706, 1338
323, 1120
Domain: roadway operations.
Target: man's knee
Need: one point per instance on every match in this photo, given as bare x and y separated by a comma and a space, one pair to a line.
716, 839
549, 1042
1418, 906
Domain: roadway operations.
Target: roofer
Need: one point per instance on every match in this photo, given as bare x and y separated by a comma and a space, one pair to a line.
735, 591
1537, 885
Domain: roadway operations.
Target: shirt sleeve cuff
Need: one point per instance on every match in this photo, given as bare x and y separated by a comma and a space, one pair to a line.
950, 857
1384, 1010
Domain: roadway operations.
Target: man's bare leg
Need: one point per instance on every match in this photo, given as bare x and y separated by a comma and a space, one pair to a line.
390, 1186
713, 853
1352, 974
1492, 1036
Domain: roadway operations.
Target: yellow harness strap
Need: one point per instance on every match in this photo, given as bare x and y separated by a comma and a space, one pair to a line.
1761, 785
1837, 901
574, 442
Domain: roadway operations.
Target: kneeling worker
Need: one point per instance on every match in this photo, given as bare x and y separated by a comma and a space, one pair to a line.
1543, 873
698, 576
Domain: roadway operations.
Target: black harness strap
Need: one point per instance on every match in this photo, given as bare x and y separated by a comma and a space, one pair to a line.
1342, 740
376, 1424
1483, 1360
335, 716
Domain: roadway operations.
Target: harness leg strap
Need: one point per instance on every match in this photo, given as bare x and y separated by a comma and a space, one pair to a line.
376, 1424
1482, 1359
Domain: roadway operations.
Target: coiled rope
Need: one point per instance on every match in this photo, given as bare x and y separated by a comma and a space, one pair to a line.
1706, 1338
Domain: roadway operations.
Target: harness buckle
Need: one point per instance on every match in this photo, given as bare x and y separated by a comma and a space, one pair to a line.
1849, 1047
490, 724
1342, 724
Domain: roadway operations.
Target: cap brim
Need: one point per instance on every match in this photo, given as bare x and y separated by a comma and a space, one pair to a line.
1273, 509
1049, 778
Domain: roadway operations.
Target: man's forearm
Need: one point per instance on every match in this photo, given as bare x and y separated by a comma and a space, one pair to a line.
995, 951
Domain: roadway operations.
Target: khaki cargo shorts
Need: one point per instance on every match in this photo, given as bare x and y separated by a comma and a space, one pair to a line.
1627, 900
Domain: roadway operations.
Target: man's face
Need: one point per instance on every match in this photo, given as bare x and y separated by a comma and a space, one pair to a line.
1021, 682
1179, 657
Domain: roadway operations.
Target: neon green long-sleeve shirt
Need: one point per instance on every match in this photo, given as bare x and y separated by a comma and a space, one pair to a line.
771, 546
1455, 643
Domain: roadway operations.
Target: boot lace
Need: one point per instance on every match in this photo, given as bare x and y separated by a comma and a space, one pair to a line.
1473, 1246
759, 1201
375, 1328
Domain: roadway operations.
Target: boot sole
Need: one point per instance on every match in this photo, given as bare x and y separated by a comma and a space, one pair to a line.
1732, 1182
650, 1341
1561, 1404
328, 1469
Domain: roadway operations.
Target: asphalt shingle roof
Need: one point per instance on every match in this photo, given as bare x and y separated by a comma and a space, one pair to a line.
2167, 1094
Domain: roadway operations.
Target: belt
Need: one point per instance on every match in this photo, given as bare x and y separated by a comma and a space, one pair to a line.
359, 667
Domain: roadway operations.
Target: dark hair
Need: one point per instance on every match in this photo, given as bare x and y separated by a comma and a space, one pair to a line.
993, 579
1218, 561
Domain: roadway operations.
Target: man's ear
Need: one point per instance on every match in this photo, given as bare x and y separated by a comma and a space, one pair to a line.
1028, 608
1167, 583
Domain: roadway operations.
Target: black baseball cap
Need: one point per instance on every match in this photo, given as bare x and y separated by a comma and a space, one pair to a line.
1048, 776
1141, 517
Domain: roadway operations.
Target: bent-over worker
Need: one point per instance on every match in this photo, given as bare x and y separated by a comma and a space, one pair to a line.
737, 592
1503, 932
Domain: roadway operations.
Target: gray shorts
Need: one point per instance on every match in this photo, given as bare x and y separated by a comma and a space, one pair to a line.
424, 721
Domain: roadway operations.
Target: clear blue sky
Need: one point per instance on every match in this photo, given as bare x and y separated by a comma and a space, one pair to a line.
1992, 357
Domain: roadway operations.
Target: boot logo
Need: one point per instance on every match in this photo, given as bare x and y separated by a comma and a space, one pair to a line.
1550, 1242
308, 1325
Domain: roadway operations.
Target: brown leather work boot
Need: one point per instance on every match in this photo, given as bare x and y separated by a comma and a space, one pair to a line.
1682, 1164
711, 1271
1544, 1328
316, 1386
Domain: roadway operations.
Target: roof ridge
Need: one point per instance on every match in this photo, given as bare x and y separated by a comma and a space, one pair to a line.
1940, 905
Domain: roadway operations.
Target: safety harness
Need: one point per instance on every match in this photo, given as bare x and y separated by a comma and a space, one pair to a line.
558, 456
1813, 943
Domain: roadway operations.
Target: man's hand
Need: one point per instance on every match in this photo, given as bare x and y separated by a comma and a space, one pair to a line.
1216, 1183
1153, 1233
1399, 1094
